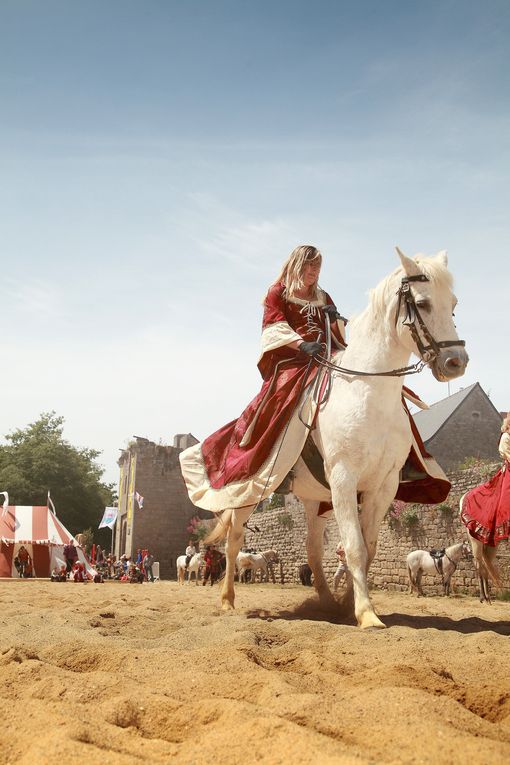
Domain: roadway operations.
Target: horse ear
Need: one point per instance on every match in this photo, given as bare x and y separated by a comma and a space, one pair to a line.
442, 256
410, 266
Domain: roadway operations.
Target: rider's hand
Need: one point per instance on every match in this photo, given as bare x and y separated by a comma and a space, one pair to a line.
310, 348
331, 311
333, 314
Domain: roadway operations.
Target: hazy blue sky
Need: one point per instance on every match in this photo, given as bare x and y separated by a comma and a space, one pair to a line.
159, 160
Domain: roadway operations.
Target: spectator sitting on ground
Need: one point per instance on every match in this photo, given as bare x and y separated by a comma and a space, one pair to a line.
55, 574
79, 572
98, 577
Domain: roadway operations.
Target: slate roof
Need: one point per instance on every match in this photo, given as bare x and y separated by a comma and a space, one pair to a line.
430, 420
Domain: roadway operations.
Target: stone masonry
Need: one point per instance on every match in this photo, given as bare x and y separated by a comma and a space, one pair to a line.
153, 470
437, 526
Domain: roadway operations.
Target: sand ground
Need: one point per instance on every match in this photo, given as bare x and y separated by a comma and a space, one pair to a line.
120, 673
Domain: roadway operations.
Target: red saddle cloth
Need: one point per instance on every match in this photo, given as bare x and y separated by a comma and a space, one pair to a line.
486, 508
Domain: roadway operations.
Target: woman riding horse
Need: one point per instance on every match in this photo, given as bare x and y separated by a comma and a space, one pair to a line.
252, 456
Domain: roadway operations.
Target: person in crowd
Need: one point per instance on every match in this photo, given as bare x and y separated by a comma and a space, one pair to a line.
213, 560
148, 562
79, 572
99, 555
139, 558
57, 575
190, 552
23, 559
70, 555
342, 567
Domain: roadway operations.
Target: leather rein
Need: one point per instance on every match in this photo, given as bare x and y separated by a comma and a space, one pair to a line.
412, 318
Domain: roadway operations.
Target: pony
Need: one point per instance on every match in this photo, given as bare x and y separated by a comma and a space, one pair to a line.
254, 562
421, 562
193, 568
484, 556
361, 429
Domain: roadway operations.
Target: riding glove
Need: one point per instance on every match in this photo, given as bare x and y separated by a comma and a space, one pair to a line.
310, 348
333, 314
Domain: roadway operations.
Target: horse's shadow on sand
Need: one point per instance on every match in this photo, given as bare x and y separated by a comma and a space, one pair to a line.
339, 614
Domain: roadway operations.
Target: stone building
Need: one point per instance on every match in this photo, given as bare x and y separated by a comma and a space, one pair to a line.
466, 424
153, 470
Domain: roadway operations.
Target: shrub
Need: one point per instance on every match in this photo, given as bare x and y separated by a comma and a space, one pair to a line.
445, 510
286, 520
410, 516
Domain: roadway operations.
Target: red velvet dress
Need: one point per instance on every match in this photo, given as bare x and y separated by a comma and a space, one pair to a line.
286, 373
486, 508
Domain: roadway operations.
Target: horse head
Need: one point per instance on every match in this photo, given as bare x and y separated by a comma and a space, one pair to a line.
271, 556
424, 315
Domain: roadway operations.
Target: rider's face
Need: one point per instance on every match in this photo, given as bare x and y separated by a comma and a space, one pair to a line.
311, 271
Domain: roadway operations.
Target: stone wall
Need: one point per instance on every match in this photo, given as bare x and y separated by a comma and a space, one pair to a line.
284, 530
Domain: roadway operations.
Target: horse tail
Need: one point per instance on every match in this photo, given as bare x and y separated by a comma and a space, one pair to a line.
492, 570
220, 531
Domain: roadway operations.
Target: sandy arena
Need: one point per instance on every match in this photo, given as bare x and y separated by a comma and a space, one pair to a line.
122, 673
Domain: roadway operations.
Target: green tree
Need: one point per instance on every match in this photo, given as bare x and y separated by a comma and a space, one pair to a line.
38, 458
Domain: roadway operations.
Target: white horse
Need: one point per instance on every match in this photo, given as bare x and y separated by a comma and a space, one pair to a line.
421, 562
193, 568
362, 431
486, 567
254, 562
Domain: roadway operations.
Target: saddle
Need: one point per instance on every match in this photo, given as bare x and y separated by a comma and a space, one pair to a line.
437, 556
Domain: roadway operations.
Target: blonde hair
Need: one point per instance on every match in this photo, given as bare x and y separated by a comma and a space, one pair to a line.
505, 428
291, 275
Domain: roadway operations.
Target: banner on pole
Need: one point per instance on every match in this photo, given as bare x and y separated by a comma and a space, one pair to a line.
109, 517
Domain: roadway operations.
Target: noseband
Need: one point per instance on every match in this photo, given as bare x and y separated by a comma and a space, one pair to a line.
413, 318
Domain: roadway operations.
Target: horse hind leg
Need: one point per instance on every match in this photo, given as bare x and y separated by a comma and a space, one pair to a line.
235, 536
315, 549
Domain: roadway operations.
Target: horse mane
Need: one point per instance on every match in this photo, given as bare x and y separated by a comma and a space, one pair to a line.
384, 296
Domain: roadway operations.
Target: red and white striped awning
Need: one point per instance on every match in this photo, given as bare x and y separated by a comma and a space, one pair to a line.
24, 524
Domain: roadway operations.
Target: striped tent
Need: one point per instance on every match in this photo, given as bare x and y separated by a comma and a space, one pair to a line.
43, 535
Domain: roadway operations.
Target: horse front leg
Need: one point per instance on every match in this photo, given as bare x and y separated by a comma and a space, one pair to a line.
343, 491
235, 537
315, 550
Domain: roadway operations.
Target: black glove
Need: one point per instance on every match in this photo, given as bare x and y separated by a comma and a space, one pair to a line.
310, 348
333, 314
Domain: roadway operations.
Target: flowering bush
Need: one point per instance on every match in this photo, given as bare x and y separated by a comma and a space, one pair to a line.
197, 528
400, 513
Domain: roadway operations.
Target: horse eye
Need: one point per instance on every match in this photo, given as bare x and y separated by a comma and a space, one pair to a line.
425, 304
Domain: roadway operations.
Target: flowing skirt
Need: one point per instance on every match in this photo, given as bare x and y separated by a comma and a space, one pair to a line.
486, 508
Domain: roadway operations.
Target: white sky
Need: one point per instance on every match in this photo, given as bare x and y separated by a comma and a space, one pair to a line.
160, 160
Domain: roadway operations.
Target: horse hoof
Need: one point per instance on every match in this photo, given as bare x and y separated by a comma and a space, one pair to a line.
369, 620
227, 606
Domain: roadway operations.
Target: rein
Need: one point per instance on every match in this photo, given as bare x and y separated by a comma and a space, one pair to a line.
427, 352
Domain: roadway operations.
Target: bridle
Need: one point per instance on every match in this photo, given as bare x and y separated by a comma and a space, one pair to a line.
413, 316
414, 320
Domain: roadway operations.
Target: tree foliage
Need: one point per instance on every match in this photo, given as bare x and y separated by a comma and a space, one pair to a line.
38, 458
